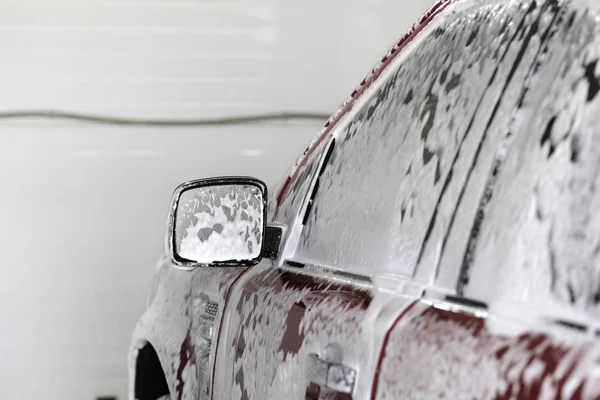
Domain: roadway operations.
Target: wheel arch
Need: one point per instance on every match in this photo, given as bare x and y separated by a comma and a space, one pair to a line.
149, 380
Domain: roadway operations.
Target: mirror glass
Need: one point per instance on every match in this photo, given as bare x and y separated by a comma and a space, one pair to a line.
219, 223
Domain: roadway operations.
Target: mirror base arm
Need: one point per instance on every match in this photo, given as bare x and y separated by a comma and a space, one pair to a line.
270, 248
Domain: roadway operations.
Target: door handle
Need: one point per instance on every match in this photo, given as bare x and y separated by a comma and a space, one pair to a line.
334, 376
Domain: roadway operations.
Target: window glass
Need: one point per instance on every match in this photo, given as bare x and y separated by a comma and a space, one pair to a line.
538, 238
393, 177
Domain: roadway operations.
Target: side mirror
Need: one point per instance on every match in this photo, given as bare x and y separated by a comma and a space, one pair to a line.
217, 221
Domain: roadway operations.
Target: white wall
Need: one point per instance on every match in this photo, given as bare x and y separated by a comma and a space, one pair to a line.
83, 206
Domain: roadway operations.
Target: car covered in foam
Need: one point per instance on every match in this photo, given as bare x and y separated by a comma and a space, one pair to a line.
438, 239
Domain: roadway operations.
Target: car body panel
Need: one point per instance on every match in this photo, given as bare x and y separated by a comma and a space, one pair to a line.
171, 325
280, 316
439, 351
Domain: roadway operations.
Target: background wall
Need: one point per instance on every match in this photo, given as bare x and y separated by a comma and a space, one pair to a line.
83, 206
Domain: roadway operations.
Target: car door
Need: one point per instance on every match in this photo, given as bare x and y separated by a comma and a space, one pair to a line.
287, 321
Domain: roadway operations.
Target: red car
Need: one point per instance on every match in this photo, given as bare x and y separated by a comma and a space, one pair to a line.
438, 239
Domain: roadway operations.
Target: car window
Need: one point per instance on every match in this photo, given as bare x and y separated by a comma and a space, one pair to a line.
538, 241
393, 175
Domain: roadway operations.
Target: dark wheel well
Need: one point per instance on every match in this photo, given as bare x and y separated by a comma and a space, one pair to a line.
150, 381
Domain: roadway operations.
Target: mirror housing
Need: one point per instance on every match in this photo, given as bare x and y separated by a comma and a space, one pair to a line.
217, 222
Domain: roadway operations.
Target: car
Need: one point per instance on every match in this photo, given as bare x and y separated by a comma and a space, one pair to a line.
439, 238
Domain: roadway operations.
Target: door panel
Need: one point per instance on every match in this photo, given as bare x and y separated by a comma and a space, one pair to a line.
276, 318
441, 351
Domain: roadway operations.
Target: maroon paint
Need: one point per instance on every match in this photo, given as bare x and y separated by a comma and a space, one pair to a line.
383, 346
187, 354
293, 338
276, 280
533, 354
